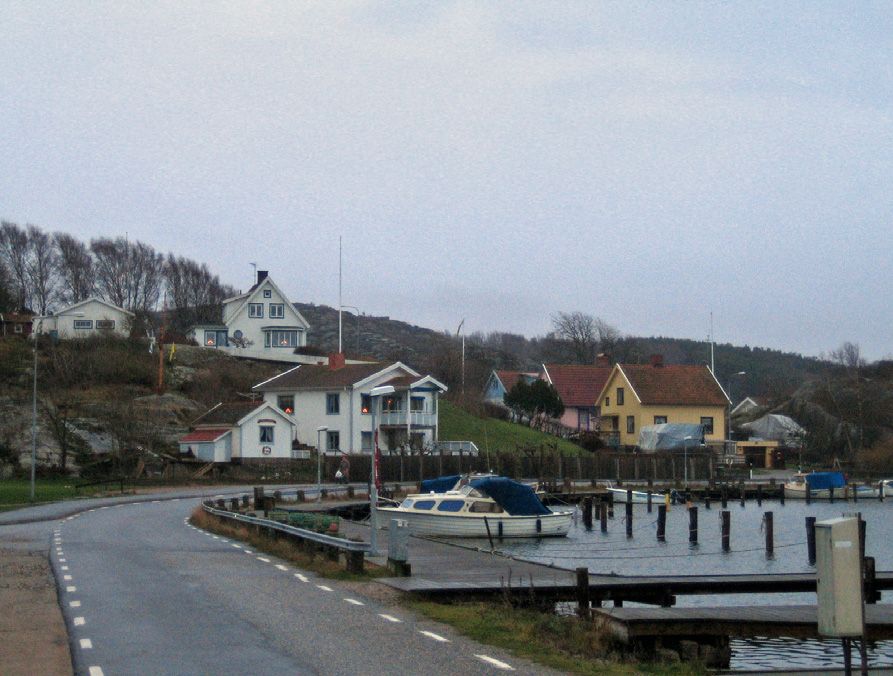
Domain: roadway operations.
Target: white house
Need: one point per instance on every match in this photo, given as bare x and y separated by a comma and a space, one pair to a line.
90, 317
332, 405
242, 430
261, 324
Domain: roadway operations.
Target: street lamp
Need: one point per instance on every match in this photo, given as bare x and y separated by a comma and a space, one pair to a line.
375, 394
319, 431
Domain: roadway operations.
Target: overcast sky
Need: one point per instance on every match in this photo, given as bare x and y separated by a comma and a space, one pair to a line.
646, 163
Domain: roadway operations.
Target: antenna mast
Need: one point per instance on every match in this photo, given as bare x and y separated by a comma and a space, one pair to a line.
340, 350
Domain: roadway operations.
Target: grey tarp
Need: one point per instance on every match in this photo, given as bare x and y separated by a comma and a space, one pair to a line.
670, 437
774, 427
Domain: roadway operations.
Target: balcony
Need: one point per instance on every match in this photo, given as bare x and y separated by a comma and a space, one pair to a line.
399, 418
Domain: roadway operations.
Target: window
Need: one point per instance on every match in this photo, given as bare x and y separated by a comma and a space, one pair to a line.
660, 420
707, 424
423, 504
266, 434
255, 309
333, 441
105, 324
366, 441
630, 424
417, 404
450, 505
286, 402
620, 396
366, 403
268, 293
390, 404
333, 404
281, 339
277, 310
607, 402
18, 328
83, 323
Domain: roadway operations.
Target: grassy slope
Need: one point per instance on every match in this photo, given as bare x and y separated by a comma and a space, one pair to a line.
493, 435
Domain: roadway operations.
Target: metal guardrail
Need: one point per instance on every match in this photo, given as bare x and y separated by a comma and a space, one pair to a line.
320, 538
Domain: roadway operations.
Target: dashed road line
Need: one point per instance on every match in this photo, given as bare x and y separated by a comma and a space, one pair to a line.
79, 621
324, 588
260, 558
96, 671
86, 644
281, 567
436, 637
390, 618
355, 602
71, 589
75, 604
302, 578
496, 663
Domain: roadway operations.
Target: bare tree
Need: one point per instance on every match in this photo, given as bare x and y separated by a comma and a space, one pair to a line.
578, 330
42, 268
195, 294
14, 257
128, 275
75, 269
849, 356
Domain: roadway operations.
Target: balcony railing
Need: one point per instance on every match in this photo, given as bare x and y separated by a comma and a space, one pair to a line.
415, 419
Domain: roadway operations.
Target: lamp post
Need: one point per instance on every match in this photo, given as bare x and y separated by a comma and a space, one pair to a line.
375, 394
319, 431
36, 332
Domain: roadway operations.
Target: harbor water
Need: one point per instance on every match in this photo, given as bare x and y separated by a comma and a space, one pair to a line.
643, 554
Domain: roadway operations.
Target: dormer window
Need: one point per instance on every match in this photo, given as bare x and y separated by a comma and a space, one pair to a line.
256, 310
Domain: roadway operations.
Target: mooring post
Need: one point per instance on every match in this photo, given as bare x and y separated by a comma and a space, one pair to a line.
855, 492
810, 539
723, 498
661, 523
831, 494
629, 495
726, 530
808, 493
587, 513
611, 505
759, 495
650, 496
693, 525
603, 516
629, 519
781, 495
583, 609
741, 493
707, 499
770, 535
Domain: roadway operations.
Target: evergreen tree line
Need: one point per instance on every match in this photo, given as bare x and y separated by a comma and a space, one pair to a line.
44, 272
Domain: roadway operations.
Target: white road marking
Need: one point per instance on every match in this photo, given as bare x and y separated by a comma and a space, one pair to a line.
436, 637
236, 546
355, 602
67, 578
496, 663
324, 588
86, 644
302, 578
64, 567
390, 618
96, 671
281, 567
71, 589
75, 604
78, 621
260, 558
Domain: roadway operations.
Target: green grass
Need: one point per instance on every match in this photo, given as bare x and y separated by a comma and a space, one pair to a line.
16, 493
491, 435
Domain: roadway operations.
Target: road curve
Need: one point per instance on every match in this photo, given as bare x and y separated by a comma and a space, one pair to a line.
144, 592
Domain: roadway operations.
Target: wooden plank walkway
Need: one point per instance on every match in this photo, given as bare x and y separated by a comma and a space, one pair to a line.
629, 624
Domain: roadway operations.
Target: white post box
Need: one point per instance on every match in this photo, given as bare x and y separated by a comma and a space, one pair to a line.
841, 606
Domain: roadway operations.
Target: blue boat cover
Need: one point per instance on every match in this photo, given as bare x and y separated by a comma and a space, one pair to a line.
515, 498
823, 480
441, 484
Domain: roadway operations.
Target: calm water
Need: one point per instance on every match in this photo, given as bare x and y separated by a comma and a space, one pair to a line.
613, 552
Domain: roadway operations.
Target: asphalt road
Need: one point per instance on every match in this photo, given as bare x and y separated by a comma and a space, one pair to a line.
143, 592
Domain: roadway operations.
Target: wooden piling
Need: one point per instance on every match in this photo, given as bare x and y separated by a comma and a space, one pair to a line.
723, 498
583, 608
810, 539
759, 495
770, 534
587, 513
603, 516
629, 519
661, 523
781, 496
650, 496
854, 492
693, 525
707, 500
726, 517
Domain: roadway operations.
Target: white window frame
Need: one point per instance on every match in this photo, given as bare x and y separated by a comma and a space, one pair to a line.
105, 324
277, 310
262, 434
256, 310
333, 398
333, 440
83, 324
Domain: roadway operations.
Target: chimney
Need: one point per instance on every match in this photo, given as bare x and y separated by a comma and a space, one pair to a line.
262, 275
602, 359
657, 360
336, 360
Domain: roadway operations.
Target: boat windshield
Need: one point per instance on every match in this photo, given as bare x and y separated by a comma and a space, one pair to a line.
450, 505
423, 504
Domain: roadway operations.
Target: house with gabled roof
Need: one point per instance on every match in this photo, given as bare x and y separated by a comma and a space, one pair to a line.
259, 324
501, 382
578, 386
241, 430
638, 395
90, 317
332, 405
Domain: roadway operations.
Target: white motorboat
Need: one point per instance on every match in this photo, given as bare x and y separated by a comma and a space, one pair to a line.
641, 497
822, 485
477, 508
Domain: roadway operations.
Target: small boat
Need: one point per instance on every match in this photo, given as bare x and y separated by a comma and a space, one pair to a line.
822, 485
478, 507
885, 488
641, 497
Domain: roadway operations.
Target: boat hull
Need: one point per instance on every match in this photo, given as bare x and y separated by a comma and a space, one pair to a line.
798, 491
639, 497
556, 524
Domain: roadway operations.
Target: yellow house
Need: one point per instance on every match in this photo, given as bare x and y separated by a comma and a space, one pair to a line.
637, 395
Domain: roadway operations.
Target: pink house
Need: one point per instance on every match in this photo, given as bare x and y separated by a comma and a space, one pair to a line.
579, 387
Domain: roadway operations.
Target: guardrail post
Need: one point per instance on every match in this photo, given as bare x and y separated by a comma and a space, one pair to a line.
258, 497
234, 504
355, 561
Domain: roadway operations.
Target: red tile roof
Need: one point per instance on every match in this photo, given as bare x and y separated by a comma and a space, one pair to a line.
199, 436
510, 378
578, 385
674, 385
311, 376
